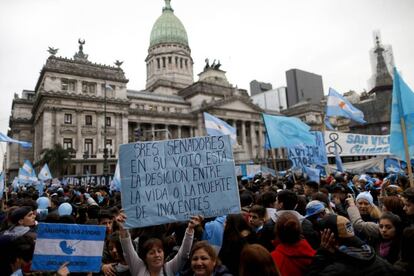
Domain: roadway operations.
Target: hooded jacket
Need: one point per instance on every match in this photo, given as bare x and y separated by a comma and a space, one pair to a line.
292, 259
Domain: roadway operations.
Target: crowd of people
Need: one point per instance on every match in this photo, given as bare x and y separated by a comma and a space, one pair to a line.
344, 225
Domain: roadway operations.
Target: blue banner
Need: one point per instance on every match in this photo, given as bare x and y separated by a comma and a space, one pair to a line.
80, 245
308, 155
166, 181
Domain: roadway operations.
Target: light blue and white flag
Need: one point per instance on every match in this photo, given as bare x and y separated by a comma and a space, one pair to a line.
337, 105
313, 174
217, 127
1, 185
287, 131
15, 184
80, 245
402, 108
338, 161
116, 181
40, 187
5, 138
392, 165
44, 173
328, 123
27, 174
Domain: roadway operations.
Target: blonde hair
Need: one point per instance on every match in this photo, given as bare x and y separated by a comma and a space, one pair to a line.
375, 212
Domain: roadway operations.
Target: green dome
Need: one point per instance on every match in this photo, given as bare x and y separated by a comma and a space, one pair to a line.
168, 29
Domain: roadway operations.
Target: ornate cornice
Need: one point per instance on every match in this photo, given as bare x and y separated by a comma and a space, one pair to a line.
81, 68
75, 97
152, 113
222, 102
206, 88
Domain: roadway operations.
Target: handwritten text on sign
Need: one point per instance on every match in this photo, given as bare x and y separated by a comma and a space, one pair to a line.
164, 181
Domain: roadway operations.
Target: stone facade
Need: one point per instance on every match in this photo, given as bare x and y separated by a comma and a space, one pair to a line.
72, 96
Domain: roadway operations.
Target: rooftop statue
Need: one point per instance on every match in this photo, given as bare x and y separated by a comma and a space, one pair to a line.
118, 63
53, 51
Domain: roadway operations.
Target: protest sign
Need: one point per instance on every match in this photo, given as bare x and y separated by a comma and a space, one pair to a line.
165, 181
351, 144
307, 155
80, 245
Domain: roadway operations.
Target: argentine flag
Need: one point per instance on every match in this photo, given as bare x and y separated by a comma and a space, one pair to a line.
26, 173
80, 245
215, 126
337, 105
5, 138
44, 173
116, 181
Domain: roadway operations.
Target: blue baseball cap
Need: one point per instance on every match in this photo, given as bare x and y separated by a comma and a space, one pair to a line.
314, 207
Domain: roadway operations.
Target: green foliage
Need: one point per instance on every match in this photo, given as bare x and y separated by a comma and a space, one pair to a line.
58, 159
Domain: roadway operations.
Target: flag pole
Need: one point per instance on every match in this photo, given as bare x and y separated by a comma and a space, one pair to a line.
407, 154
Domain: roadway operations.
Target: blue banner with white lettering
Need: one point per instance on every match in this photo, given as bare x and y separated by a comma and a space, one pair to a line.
166, 181
80, 245
308, 155
352, 144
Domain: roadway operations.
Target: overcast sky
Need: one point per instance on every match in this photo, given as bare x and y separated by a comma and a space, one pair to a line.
258, 39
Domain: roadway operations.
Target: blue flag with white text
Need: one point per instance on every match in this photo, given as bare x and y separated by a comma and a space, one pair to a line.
216, 126
402, 108
337, 105
287, 131
80, 245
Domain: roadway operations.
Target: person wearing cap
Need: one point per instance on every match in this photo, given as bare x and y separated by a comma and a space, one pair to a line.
343, 253
383, 236
366, 207
315, 211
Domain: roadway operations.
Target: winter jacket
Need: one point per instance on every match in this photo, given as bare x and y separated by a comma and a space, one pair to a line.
293, 259
355, 261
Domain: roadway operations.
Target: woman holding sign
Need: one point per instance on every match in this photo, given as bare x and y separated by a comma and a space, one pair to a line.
151, 262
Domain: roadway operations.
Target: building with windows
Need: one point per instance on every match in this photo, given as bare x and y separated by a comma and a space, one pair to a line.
271, 100
303, 86
257, 87
88, 107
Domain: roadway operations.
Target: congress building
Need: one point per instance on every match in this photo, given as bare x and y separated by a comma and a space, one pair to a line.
88, 107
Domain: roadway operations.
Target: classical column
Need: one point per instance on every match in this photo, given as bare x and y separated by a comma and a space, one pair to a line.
56, 124
166, 132
100, 143
79, 142
152, 132
261, 141
244, 142
253, 138
179, 131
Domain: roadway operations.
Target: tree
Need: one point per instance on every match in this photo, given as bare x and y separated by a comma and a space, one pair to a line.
58, 159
